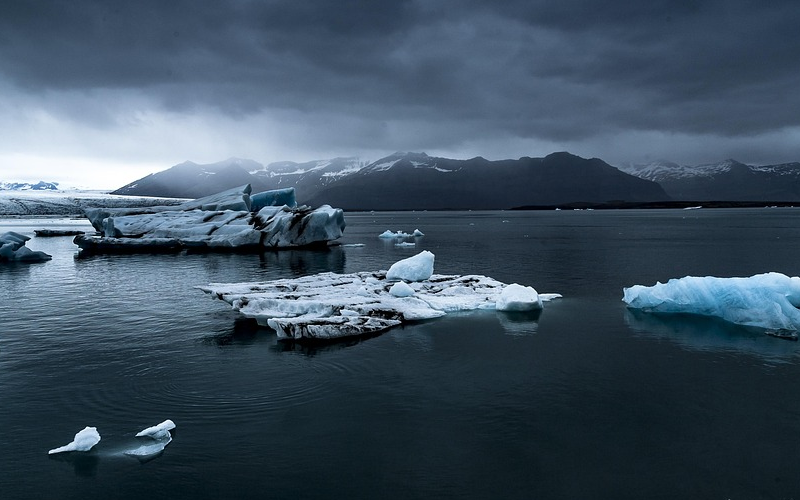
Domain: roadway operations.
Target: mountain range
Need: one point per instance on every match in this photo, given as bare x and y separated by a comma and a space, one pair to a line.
27, 186
405, 181
729, 180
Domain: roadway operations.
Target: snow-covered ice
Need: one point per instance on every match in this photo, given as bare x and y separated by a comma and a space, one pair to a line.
13, 249
416, 268
401, 289
516, 297
768, 301
388, 234
83, 441
330, 305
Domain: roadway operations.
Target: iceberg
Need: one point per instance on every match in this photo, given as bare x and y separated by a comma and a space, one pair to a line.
330, 305
769, 301
13, 249
84, 441
231, 199
390, 234
416, 268
219, 222
273, 198
400, 234
518, 298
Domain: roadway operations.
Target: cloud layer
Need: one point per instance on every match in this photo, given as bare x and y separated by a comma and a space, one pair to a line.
151, 83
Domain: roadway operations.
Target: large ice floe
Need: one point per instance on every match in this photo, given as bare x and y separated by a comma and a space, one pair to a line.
225, 221
769, 301
13, 249
330, 305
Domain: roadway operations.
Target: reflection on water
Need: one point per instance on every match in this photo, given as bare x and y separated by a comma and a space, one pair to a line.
519, 323
704, 333
84, 463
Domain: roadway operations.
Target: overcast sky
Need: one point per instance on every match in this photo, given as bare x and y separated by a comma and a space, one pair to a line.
100, 93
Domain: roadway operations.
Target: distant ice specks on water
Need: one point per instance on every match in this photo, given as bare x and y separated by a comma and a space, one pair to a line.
769, 301
13, 249
329, 305
400, 234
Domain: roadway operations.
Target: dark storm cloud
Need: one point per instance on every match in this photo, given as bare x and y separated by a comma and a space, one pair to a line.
560, 71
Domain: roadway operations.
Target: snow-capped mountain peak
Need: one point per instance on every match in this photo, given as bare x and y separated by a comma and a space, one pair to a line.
27, 186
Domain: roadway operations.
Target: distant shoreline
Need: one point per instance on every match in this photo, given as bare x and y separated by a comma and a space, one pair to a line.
627, 205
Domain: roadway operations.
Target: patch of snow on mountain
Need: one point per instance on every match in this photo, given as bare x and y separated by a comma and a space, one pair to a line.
380, 167
664, 170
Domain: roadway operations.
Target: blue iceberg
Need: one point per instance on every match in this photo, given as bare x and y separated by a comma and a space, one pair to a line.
769, 301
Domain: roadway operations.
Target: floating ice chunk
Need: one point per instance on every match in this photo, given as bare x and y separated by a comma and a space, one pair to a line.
767, 301
237, 199
547, 297
12, 248
516, 297
389, 234
84, 441
416, 268
158, 431
418, 233
150, 449
271, 227
401, 289
405, 244
329, 305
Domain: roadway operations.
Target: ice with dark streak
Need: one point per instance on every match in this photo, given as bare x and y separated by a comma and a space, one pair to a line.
218, 222
330, 305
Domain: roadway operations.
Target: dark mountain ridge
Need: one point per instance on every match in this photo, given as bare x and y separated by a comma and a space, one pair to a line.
411, 181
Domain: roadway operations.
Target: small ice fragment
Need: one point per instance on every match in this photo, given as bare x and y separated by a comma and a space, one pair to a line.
417, 232
401, 289
348, 312
148, 450
405, 244
516, 297
416, 268
159, 431
389, 234
84, 441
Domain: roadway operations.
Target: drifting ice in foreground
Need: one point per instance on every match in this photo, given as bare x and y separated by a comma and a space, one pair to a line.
329, 305
768, 301
219, 222
83, 441
13, 249
160, 438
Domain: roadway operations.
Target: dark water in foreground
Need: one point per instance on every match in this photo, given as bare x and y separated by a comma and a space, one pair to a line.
588, 401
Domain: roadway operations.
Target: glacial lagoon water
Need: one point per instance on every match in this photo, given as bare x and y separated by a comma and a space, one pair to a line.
587, 400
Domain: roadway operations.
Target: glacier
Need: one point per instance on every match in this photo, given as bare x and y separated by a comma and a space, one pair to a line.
768, 301
223, 221
13, 249
84, 441
330, 305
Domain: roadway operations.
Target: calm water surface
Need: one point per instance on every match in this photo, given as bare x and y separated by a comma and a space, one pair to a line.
586, 401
